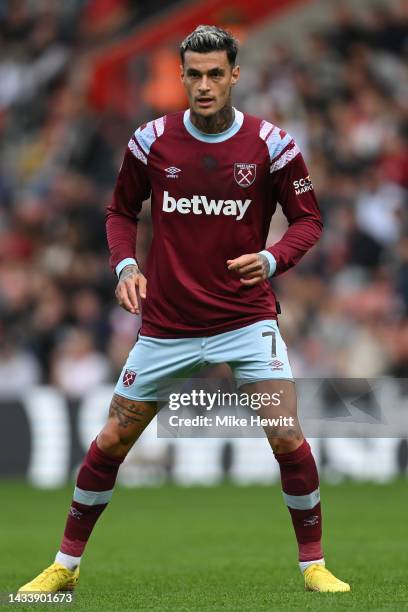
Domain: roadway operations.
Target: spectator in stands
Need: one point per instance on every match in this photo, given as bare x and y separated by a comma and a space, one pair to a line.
76, 365
19, 369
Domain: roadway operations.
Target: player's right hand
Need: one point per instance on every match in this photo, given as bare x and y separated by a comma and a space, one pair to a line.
131, 281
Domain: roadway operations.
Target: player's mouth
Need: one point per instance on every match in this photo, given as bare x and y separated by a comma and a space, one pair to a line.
205, 101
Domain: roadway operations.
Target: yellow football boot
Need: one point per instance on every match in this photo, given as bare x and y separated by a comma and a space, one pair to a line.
318, 578
54, 578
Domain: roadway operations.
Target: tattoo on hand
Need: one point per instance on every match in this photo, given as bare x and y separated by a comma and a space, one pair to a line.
125, 412
265, 265
129, 271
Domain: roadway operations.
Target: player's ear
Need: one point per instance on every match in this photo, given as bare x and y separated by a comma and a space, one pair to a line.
181, 72
235, 74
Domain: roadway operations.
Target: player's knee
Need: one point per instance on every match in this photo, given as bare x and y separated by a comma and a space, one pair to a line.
279, 433
114, 442
109, 439
284, 443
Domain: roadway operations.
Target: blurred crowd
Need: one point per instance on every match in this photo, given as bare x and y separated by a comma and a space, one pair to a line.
344, 99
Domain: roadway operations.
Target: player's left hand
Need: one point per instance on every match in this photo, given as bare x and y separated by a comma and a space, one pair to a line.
252, 268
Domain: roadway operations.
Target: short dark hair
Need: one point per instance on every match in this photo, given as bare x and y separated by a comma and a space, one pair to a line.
206, 38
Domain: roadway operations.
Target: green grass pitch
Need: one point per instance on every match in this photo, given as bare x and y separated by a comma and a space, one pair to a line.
212, 548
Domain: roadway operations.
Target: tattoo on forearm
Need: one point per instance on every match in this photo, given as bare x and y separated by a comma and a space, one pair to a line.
125, 412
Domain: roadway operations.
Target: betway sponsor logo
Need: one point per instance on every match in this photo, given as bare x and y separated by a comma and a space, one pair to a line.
200, 204
302, 185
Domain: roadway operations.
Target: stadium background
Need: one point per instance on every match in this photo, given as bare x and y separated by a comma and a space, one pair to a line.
76, 78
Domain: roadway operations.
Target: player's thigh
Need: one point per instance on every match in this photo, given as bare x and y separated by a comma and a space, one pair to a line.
254, 352
153, 363
126, 422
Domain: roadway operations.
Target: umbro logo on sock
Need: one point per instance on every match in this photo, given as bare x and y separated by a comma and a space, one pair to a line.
76, 514
312, 520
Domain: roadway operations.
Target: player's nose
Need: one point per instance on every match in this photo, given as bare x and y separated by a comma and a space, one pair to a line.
204, 85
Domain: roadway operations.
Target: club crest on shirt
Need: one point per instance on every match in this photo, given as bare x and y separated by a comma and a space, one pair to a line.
244, 174
128, 378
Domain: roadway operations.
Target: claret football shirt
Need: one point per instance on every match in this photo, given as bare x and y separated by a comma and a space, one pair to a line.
212, 199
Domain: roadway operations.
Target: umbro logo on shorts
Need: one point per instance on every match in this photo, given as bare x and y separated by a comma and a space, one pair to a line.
128, 378
276, 364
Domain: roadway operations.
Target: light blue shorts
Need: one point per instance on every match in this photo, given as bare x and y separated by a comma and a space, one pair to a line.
254, 352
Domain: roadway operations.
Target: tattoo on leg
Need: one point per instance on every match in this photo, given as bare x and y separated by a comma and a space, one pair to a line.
125, 412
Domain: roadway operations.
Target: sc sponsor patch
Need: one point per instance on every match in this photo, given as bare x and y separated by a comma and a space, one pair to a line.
302, 185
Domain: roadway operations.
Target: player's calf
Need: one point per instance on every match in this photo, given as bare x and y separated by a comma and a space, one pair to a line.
299, 476
94, 488
98, 472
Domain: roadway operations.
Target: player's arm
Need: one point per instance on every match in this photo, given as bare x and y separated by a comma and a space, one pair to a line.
295, 193
293, 189
131, 189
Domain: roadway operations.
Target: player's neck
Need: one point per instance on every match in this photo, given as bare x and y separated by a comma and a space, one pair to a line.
215, 124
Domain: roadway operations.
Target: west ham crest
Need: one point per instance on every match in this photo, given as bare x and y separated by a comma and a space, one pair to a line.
128, 378
244, 174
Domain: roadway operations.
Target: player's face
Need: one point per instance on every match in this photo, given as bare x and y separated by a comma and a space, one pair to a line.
208, 79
